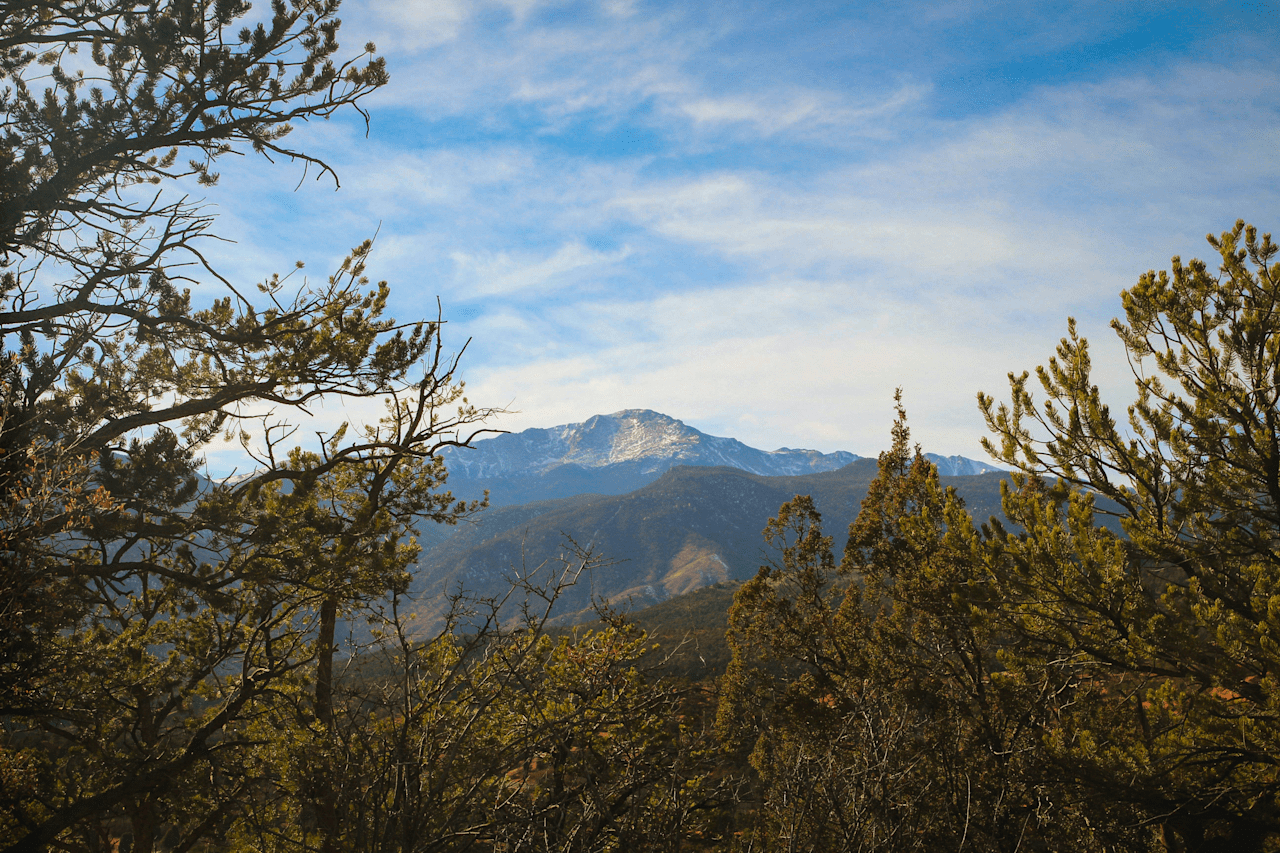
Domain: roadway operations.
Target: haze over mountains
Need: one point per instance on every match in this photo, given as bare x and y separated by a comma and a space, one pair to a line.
673, 509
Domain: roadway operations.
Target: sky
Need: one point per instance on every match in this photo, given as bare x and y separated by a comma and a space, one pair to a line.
763, 217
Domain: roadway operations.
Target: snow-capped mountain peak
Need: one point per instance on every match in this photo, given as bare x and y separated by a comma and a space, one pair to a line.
633, 437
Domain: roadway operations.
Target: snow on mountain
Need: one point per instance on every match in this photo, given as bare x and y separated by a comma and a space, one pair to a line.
960, 466
652, 440
645, 443
684, 508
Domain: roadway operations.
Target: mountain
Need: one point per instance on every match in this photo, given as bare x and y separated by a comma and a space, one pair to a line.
672, 508
619, 453
961, 466
692, 527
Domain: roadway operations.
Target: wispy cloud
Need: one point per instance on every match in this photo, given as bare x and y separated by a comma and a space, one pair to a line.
415, 25
794, 229
505, 273
803, 111
763, 218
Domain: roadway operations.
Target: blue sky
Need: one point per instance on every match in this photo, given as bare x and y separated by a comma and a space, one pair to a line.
762, 217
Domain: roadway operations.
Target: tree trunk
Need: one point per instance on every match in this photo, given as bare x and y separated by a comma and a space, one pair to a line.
325, 799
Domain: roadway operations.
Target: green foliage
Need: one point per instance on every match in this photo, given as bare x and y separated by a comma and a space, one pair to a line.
151, 616
511, 739
870, 693
1064, 682
1168, 628
169, 662
691, 629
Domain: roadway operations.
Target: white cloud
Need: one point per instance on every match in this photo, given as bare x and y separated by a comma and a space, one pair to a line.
604, 66
582, 61
939, 268
763, 362
803, 111
408, 25
519, 9
795, 228
500, 273
1054, 186
619, 8
780, 292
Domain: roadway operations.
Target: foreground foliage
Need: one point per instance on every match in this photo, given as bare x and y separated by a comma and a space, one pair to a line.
489, 738
1170, 626
871, 695
1063, 683
170, 676
169, 667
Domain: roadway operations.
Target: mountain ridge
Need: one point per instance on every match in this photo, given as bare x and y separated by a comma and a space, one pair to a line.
620, 452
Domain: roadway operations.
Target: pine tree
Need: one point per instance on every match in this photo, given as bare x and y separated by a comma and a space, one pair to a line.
1103, 666
872, 693
1167, 626
150, 615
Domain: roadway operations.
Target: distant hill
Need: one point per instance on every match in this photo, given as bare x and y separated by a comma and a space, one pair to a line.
690, 632
619, 453
690, 528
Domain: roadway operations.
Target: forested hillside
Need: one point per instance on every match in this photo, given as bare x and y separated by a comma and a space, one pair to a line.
692, 527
